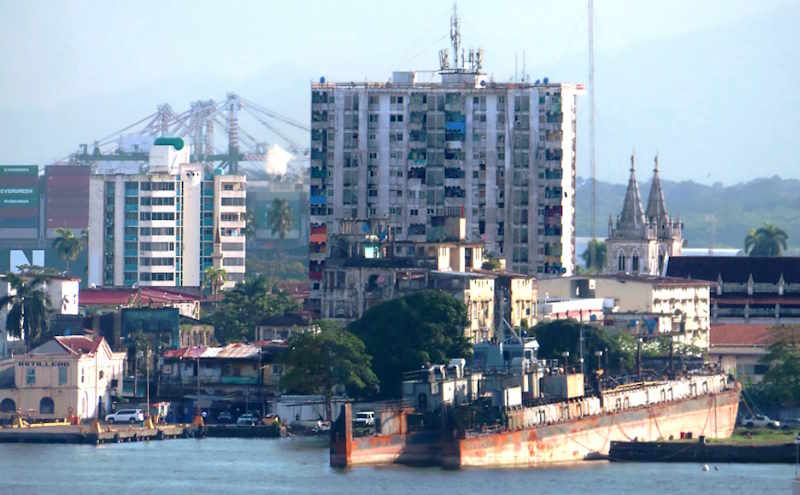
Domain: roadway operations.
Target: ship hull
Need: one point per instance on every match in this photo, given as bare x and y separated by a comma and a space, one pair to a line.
712, 416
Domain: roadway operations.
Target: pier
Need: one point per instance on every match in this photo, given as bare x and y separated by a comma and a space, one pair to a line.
94, 436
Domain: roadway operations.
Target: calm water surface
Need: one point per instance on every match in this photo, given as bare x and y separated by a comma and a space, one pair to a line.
301, 466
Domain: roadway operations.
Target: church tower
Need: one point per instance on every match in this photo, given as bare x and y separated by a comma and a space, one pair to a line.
641, 240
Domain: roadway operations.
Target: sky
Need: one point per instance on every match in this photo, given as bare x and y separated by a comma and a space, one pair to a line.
672, 77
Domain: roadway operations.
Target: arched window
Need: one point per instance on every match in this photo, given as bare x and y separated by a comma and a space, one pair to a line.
660, 262
46, 406
8, 406
621, 261
635, 263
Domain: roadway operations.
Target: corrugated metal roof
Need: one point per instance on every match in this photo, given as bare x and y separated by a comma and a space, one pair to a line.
230, 351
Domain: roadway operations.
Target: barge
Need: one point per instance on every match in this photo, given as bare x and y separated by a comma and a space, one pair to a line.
574, 427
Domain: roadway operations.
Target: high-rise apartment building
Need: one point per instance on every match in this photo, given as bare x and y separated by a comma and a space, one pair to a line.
165, 226
405, 155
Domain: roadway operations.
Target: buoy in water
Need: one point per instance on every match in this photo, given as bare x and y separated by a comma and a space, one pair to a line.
705, 467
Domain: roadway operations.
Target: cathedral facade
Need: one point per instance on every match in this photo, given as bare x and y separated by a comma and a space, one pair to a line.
641, 241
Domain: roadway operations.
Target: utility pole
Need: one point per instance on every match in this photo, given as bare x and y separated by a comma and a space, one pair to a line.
592, 144
147, 379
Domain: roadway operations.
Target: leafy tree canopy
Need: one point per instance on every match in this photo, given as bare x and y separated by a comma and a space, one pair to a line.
405, 333
559, 336
245, 306
595, 261
780, 386
318, 362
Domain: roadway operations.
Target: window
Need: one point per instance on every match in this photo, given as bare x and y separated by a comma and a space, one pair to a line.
232, 261
232, 201
30, 376
157, 215
7, 406
635, 263
46, 406
232, 246
62, 375
621, 262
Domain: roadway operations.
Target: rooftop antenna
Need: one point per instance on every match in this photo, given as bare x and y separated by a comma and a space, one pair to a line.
455, 37
524, 75
592, 145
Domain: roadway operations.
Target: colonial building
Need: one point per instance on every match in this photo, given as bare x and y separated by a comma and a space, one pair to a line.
739, 349
366, 270
680, 305
747, 289
642, 240
65, 376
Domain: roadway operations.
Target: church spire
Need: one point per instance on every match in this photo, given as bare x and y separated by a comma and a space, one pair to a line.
656, 209
631, 220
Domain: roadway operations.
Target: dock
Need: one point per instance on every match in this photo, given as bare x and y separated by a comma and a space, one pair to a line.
85, 434
700, 451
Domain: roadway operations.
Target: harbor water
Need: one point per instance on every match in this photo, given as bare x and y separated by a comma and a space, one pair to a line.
300, 465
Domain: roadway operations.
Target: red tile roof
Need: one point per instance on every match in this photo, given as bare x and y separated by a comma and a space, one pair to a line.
118, 296
79, 344
737, 334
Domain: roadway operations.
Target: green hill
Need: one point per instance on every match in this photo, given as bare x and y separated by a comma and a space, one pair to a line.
736, 208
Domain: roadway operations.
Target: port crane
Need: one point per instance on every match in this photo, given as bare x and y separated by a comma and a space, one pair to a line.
199, 125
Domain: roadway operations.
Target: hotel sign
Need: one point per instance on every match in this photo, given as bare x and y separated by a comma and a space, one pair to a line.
43, 364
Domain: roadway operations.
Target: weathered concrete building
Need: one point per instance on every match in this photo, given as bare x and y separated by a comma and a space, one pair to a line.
412, 154
683, 304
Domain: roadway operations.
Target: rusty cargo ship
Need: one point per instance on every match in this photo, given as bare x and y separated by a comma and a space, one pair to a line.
560, 425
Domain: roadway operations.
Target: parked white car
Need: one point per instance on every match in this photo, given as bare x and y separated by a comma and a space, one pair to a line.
126, 416
760, 421
365, 418
247, 419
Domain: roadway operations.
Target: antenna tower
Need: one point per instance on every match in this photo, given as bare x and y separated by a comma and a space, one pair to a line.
455, 37
592, 145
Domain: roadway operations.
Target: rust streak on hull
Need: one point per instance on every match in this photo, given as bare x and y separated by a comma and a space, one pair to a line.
711, 415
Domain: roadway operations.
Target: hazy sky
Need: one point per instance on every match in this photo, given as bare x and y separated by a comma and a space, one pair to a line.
75, 71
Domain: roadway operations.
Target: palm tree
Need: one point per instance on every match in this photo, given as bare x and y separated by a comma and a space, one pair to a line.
595, 261
214, 278
68, 246
28, 307
280, 217
767, 240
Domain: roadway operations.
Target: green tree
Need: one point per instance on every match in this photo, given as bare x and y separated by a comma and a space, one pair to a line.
28, 307
214, 278
595, 261
316, 363
559, 336
491, 263
405, 333
68, 246
767, 240
780, 386
280, 217
245, 306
